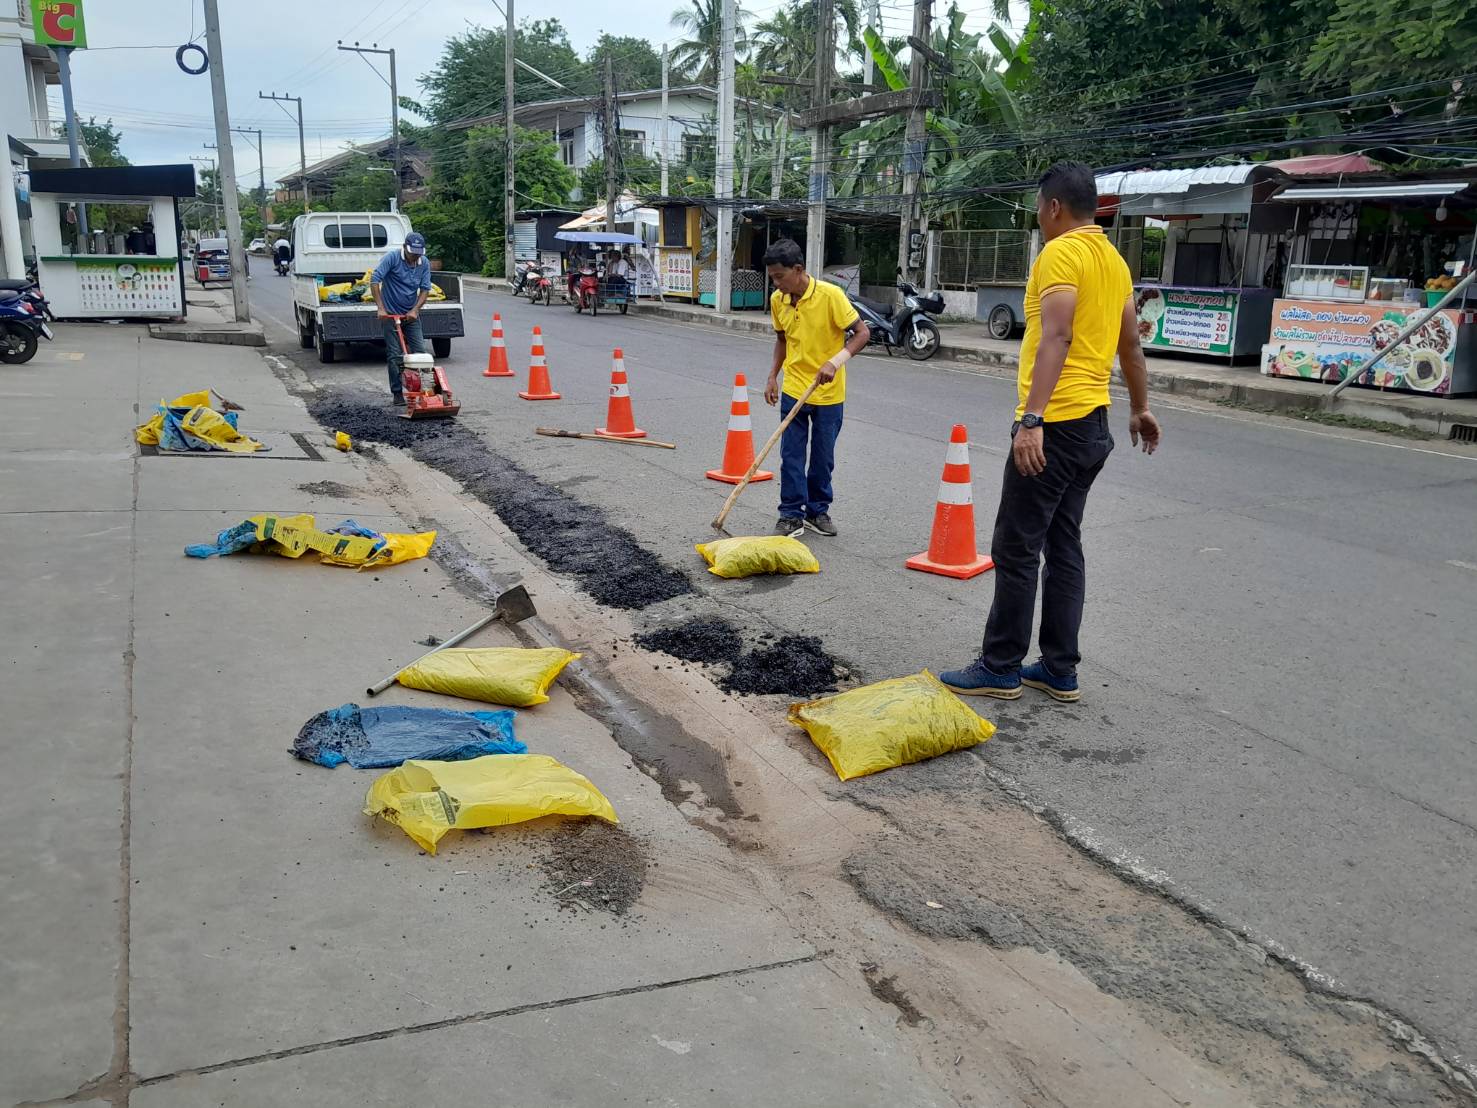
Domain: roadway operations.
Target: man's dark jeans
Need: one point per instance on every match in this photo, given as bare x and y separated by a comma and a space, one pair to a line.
413, 339
806, 490
1044, 514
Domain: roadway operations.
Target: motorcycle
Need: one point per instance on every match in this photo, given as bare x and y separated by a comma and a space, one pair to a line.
20, 324
587, 292
520, 278
907, 326
281, 263
29, 291
540, 287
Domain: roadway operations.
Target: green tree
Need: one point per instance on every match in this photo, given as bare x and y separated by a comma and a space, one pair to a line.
467, 81
102, 142
702, 20
1373, 44
364, 185
635, 173
637, 65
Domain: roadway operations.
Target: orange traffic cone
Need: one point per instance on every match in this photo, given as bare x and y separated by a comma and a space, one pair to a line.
620, 422
738, 451
539, 387
497, 353
951, 550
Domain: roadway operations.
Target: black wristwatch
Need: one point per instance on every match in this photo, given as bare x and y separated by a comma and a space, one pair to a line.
1030, 420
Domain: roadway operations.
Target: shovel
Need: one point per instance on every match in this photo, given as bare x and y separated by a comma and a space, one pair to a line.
513, 606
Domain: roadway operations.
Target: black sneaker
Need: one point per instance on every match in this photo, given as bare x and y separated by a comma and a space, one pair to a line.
821, 524
791, 528
397, 400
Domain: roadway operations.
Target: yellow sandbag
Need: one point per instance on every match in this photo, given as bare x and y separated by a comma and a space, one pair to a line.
404, 548
205, 423
744, 557
325, 291
148, 434
436, 293
294, 536
509, 675
891, 723
428, 799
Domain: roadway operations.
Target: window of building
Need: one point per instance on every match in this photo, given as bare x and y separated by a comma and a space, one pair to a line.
633, 142
566, 147
697, 147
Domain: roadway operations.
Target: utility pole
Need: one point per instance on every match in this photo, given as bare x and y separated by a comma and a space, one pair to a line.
510, 196
374, 48
302, 146
226, 173
666, 149
723, 169
874, 21
612, 143
820, 142
915, 143
205, 159
261, 171
74, 144
216, 205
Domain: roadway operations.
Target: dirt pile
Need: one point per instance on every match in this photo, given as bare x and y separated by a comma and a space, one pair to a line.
696, 640
795, 665
594, 864
571, 537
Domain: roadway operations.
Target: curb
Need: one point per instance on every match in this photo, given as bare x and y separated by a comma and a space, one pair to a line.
252, 336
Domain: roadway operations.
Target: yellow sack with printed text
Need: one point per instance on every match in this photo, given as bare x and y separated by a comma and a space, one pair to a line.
205, 423
510, 675
890, 723
147, 434
747, 556
428, 799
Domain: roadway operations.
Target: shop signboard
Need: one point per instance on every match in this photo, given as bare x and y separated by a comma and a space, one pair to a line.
1327, 342
677, 271
1202, 320
128, 288
59, 23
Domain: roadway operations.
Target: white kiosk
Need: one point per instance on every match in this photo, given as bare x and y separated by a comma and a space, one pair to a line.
139, 284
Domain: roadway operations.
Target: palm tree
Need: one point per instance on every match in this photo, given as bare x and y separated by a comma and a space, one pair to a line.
703, 22
787, 38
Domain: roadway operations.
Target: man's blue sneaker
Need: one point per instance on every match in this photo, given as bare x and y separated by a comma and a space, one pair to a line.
977, 679
1058, 688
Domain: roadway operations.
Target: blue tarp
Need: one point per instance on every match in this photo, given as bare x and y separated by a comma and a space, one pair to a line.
172, 436
617, 238
377, 738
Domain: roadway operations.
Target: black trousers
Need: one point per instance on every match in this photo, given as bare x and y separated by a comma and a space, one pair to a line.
1043, 515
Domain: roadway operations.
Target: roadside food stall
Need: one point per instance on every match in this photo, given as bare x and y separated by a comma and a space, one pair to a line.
1366, 258
1214, 292
136, 285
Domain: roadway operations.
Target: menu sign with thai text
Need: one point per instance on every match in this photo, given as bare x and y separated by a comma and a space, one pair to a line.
1186, 319
1320, 341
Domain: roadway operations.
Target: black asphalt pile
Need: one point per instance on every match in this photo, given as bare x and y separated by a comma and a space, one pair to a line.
795, 665
570, 537
596, 865
696, 640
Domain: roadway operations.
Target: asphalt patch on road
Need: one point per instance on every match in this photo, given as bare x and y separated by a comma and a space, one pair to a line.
568, 535
333, 489
696, 640
592, 864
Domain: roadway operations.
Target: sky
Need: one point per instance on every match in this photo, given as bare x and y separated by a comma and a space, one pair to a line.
129, 74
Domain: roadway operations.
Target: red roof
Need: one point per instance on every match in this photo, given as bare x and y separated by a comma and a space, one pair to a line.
1326, 165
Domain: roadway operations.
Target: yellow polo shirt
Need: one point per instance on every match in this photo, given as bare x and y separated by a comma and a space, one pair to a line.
815, 329
1082, 259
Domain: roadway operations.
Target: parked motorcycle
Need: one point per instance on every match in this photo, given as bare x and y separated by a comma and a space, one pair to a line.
29, 291
20, 325
906, 326
520, 278
540, 287
587, 292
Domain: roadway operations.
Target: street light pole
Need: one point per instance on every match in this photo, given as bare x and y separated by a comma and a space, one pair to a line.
261, 169
374, 48
302, 146
74, 145
227, 160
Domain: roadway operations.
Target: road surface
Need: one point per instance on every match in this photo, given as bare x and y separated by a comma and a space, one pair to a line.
1279, 638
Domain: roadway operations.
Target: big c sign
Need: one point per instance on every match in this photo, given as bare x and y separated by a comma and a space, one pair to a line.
59, 23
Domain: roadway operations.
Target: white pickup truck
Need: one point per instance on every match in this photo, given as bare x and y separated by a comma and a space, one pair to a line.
331, 248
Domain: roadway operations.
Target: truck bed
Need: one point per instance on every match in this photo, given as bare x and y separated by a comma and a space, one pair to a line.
359, 322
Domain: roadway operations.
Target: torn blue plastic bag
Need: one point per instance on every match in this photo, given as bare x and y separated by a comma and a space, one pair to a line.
378, 738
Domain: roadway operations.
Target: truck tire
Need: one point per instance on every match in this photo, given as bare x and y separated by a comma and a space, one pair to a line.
304, 333
327, 352
441, 348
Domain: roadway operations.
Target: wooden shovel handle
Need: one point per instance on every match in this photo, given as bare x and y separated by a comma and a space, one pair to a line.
763, 453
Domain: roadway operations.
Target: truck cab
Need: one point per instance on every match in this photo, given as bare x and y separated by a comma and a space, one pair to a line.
338, 248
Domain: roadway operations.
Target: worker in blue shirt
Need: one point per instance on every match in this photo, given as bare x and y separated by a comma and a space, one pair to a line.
400, 285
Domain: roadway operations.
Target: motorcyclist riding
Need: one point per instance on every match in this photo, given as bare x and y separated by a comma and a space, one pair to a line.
282, 255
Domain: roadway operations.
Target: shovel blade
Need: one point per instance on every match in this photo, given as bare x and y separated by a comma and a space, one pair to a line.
515, 605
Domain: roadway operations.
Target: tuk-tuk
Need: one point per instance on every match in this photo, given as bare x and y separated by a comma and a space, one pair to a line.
212, 261
604, 291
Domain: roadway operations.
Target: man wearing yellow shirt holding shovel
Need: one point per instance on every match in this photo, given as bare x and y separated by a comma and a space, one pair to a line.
811, 320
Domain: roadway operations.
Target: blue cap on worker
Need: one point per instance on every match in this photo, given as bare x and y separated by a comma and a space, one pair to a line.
415, 243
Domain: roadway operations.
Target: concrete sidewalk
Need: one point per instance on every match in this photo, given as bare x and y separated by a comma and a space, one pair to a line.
970, 344
191, 916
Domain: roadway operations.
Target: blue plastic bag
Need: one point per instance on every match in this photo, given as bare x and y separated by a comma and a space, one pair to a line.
377, 738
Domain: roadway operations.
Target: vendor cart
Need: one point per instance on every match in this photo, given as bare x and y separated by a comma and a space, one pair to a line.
608, 292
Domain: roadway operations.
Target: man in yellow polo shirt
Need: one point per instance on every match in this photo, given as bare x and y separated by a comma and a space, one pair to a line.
811, 320
1079, 313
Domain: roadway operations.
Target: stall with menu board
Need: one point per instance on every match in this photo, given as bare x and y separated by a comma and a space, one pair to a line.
1368, 259
1210, 295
